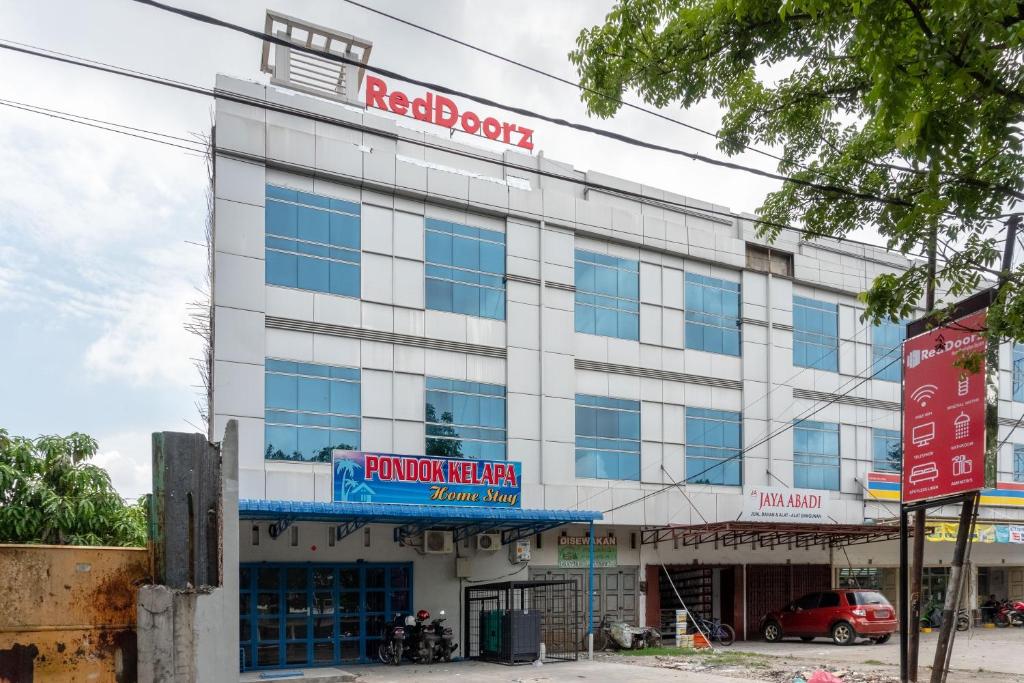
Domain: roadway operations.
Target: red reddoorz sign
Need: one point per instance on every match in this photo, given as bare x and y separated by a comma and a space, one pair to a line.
441, 111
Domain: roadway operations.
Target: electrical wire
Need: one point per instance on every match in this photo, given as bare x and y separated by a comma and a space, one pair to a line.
746, 407
508, 165
652, 112
612, 135
559, 79
95, 123
786, 427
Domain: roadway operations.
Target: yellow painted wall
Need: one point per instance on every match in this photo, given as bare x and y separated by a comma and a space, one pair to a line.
68, 612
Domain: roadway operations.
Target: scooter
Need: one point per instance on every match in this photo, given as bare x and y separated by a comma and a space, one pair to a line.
392, 643
443, 645
931, 616
420, 638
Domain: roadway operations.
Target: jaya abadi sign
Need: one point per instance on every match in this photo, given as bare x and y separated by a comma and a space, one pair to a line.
943, 412
775, 504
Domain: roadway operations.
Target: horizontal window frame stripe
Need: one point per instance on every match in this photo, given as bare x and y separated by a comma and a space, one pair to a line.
330, 329
634, 371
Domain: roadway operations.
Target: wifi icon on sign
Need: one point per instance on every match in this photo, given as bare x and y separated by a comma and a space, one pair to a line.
924, 393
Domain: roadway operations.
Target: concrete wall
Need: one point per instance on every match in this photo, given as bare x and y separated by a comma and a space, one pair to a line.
67, 613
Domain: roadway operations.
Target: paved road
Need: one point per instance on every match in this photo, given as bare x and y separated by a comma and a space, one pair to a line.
472, 672
995, 650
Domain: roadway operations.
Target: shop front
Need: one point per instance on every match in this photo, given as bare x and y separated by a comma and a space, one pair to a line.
740, 571
319, 581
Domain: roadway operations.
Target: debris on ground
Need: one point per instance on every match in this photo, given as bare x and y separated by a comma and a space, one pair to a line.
748, 665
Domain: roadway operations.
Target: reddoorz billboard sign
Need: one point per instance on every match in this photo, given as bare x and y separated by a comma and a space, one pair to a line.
943, 412
442, 111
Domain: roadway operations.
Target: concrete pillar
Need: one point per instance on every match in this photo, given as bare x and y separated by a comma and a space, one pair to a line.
189, 633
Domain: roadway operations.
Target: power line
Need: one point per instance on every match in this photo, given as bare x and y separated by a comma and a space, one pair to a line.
108, 126
764, 440
768, 420
295, 111
694, 156
285, 109
546, 74
786, 427
966, 180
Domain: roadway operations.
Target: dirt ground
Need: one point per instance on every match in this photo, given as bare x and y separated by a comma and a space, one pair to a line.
989, 655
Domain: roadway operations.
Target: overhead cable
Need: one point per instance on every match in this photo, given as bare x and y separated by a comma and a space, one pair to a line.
612, 135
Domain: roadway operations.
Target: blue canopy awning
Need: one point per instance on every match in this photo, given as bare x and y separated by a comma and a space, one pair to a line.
513, 523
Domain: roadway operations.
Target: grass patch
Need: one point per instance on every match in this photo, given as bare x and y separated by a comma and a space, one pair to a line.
874, 662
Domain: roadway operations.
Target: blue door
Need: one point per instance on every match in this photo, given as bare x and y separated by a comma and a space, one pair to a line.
313, 614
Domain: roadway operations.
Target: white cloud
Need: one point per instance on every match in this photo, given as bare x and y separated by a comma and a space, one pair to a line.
128, 458
146, 342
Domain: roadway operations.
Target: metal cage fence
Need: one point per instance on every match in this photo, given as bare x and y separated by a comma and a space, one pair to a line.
515, 621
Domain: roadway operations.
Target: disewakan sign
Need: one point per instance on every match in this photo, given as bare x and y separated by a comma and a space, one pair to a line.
363, 477
442, 111
943, 412
574, 552
776, 504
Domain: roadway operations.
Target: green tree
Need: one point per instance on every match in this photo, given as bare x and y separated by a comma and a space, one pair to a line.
918, 102
442, 438
49, 493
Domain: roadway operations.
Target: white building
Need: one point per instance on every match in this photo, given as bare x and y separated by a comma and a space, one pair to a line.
614, 338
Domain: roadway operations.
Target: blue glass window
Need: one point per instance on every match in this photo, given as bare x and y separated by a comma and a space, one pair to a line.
607, 296
1018, 373
887, 451
607, 438
465, 419
311, 409
816, 455
312, 242
712, 314
713, 442
1018, 462
886, 349
465, 269
815, 334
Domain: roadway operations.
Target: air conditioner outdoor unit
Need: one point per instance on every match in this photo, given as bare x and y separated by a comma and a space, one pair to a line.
490, 542
439, 542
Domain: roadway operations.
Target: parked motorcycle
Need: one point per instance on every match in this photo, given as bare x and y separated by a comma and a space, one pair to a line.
931, 615
1009, 614
428, 641
392, 643
443, 645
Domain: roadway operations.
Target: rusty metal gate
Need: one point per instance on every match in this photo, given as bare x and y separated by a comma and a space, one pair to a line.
770, 586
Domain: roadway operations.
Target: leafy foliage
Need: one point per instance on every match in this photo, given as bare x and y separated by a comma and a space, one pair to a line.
49, 493
916, 102
442, 439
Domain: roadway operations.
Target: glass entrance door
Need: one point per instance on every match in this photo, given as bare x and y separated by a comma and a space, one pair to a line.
312, 614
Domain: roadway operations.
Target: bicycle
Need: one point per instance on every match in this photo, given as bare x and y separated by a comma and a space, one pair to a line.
716, 631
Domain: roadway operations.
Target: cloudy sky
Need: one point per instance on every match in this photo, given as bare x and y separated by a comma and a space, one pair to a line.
97, 257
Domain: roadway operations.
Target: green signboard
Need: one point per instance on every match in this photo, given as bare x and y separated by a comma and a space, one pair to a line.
574, 552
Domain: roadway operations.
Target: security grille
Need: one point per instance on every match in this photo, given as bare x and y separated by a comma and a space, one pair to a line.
509, 622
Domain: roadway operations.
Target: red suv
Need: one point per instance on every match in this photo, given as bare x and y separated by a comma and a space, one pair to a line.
843, 615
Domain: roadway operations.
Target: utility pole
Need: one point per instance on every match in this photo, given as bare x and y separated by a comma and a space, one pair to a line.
913, 643
965, 533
